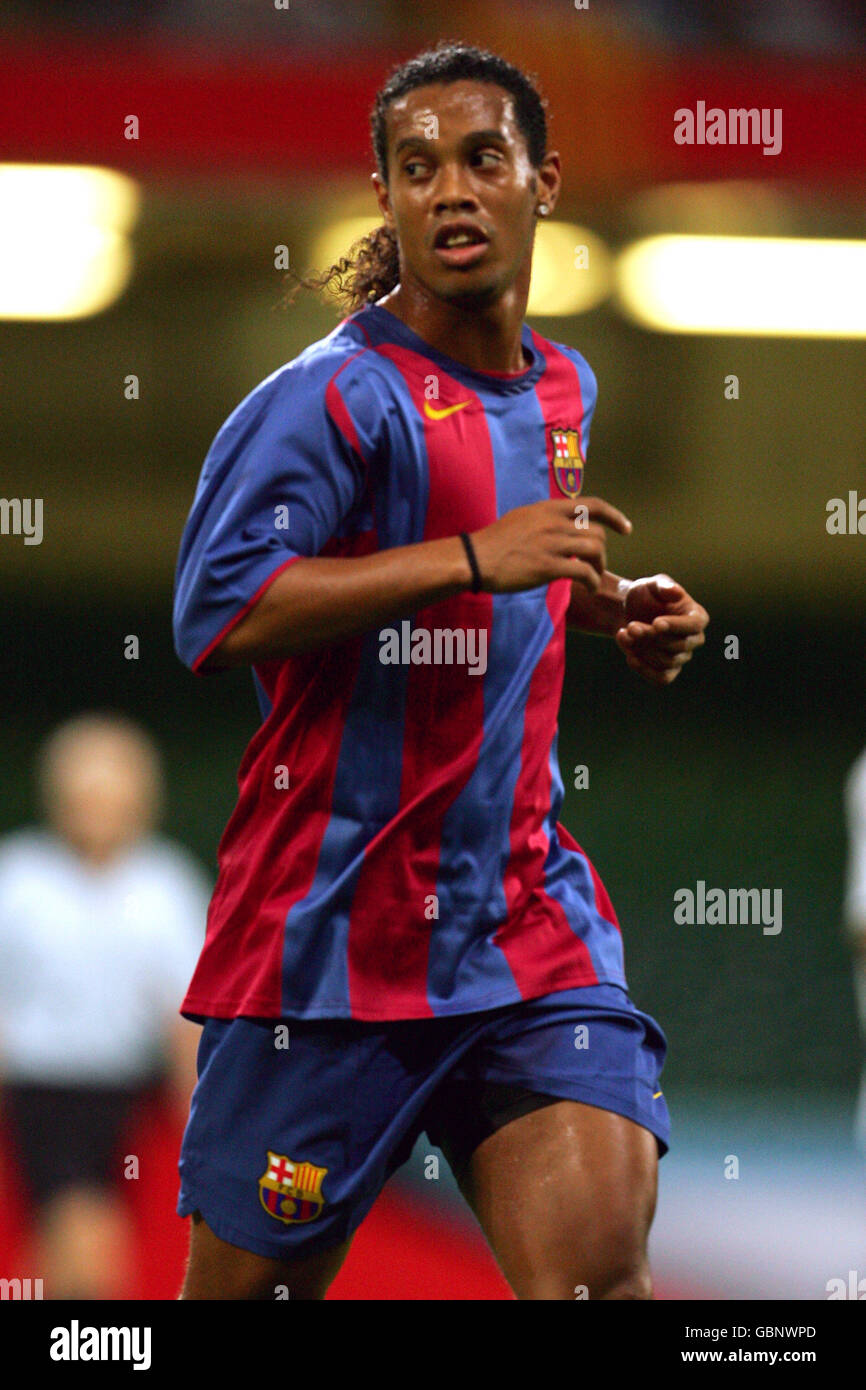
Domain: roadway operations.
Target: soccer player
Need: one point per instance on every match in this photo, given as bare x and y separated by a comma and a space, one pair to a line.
101, 922
403, 938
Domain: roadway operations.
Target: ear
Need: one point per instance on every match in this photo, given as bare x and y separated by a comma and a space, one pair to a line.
382, 198
549, 180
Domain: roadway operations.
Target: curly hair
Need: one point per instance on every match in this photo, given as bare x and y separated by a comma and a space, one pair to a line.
371, 266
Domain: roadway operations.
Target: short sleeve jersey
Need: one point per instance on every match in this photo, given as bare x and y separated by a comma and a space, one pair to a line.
395, 850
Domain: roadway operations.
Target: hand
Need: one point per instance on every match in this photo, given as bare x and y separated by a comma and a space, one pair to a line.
538, 543
663, 626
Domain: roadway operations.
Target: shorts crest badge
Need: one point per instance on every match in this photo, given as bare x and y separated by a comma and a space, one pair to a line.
290, 1191
567, 462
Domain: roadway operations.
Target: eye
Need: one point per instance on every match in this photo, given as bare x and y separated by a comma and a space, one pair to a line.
493, 155
412, 164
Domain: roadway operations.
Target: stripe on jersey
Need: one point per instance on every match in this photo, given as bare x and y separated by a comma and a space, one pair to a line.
538, 940
479, 847
397, 870
550, 938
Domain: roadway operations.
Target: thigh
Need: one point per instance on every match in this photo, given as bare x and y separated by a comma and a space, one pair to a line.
287, 1147
218, 1270
553, 1125
566, 1195
90, 1121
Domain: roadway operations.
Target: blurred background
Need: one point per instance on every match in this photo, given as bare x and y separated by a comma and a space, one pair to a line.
139, 302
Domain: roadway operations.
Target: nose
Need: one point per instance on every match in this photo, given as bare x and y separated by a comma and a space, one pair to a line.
452, 191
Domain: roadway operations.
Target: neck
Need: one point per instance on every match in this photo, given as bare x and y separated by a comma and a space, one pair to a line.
484, 335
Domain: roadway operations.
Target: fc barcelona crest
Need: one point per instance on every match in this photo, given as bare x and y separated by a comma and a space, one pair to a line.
567, 462
292, 1192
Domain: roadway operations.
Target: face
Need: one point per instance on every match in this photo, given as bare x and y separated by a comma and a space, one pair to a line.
462, 193
102, 795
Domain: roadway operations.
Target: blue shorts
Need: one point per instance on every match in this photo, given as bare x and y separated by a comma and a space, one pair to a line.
296, 1125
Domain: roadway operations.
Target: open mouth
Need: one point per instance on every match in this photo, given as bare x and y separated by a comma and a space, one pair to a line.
460, 243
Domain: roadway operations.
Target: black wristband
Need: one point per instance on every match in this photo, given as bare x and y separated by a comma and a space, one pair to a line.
473, 563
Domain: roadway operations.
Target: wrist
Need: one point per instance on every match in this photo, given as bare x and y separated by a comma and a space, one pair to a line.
475, 580
620, 614
602, 611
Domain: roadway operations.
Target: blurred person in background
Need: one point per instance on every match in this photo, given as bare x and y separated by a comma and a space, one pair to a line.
101, 922
855, 912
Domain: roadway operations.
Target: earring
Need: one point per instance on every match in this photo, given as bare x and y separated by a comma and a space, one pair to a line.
543, 209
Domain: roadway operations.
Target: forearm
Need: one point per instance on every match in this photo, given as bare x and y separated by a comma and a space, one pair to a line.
183, 1040
316, 602
602, 612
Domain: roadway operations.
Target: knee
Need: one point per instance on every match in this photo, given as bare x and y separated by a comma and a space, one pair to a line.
607, 1271
608, 1282
616, 1261
621, 1266
631, 1281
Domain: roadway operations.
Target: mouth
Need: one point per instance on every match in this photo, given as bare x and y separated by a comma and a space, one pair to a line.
460, 243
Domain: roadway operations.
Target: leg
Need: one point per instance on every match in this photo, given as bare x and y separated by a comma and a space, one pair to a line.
81, 1230
566, 1196
217, 1270
83, 1240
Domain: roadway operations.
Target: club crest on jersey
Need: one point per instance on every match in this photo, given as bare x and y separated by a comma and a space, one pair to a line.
292, 1192
567, 462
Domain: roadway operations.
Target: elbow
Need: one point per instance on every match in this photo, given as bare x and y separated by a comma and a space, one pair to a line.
249, 641
232, 651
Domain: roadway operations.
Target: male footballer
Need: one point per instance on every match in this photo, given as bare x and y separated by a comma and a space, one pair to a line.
391, 531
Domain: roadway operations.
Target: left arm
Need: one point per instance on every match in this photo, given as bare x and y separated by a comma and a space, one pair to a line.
601, 613
654, 621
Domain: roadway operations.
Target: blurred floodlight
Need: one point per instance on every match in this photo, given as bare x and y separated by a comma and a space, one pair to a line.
777, 286
64, 249
571, 268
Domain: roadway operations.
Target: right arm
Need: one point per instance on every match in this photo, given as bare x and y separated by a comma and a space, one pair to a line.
318, 601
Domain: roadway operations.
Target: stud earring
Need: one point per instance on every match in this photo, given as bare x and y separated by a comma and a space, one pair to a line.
543, 209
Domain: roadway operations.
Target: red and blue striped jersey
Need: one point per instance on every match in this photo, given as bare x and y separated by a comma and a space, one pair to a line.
395, 850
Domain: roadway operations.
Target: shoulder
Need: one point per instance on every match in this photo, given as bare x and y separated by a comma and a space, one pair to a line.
364, 380
35, 867
170, 893
28, 849
168, 864
551, 348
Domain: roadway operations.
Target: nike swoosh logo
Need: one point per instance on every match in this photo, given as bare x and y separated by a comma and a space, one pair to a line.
433, 414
